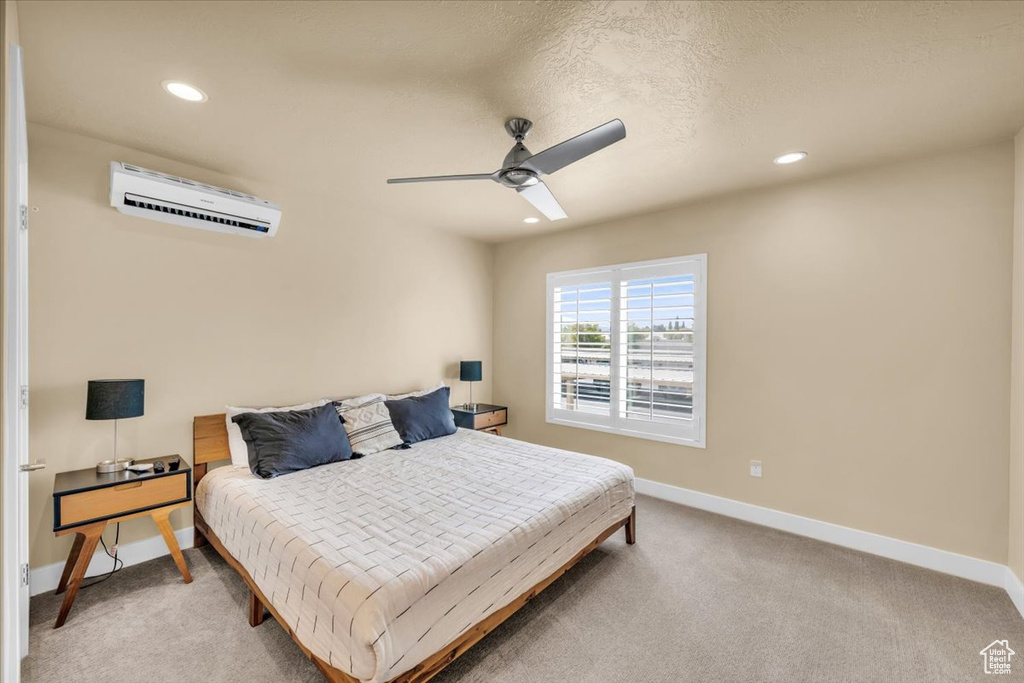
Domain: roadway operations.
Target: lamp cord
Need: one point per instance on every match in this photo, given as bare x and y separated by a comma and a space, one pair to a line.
118, 563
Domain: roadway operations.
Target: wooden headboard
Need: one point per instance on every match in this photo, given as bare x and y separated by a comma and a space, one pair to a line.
209, 443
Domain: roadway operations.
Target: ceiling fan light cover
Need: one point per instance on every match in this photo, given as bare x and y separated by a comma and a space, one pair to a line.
517, 177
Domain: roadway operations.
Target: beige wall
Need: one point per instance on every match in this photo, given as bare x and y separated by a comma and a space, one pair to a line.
1016, 538
858, 344
859, 332
337, 303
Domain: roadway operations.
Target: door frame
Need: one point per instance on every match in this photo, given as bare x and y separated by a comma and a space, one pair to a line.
15, 377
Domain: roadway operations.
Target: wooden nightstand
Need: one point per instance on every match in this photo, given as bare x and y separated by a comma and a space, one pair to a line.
486, 418
84, 502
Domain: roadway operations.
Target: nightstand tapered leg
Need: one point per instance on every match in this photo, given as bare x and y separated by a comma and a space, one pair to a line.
69, 566
90, 539
164, 525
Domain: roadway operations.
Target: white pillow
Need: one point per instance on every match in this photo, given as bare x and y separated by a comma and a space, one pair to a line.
236, 444
368, 424
421, 392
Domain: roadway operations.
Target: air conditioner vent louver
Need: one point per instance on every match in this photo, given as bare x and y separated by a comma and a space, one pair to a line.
150, 194
164, 207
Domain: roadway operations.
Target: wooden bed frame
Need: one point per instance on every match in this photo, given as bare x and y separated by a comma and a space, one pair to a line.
210, 444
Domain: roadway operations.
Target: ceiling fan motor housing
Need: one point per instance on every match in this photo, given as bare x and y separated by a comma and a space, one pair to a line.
517, 155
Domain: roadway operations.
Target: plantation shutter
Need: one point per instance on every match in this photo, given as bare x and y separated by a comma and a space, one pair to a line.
626, 349
656, 348
582, 347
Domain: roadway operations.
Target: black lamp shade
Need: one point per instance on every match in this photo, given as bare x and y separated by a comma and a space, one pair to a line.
114, 399
471, 371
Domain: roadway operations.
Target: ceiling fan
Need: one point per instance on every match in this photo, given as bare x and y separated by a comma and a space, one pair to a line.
522, 170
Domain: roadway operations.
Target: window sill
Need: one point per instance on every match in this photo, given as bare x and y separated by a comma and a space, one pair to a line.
678, 440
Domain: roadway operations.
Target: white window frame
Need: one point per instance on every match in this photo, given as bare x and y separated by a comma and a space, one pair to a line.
693, 432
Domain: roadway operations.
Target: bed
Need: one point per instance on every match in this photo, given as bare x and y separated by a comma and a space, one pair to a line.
387, 568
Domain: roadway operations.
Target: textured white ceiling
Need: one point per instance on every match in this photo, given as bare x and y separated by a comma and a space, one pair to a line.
340, 96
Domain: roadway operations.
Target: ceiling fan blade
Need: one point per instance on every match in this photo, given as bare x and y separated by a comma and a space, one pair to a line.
574, 149
437, 178
540, 196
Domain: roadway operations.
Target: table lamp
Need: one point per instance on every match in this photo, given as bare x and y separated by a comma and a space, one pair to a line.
114, 399
471, 371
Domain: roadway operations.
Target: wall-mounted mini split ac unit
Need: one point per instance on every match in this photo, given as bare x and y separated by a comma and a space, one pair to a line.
138, 191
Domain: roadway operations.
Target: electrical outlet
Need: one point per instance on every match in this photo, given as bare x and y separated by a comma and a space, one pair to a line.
755, 468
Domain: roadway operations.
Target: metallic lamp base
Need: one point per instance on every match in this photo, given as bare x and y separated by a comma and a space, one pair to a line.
112, 466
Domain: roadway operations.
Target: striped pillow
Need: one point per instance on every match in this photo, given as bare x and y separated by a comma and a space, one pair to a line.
368, 424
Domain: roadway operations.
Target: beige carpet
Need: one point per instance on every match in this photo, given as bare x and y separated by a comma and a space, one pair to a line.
700, 598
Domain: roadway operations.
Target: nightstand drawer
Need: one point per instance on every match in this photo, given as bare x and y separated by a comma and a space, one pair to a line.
121, 499
494, 418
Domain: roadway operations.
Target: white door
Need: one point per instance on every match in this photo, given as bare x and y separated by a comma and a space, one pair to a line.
15, 379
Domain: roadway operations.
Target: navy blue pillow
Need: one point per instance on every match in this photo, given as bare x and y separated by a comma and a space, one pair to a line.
419, 418
290, 441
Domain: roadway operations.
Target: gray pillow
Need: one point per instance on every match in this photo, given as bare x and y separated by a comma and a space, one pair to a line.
285, 442
419, 418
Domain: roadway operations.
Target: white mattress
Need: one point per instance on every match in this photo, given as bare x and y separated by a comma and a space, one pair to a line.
380, 562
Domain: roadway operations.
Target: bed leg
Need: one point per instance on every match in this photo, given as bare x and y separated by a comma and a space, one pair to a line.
199, 524
198, 527
256, 611
631, 527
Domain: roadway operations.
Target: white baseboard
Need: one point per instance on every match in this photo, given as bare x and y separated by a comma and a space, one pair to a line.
43, 579
944, 561
1015, 589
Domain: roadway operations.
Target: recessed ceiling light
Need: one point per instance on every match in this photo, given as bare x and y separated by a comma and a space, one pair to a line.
790, 158
531, 219
184, 91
